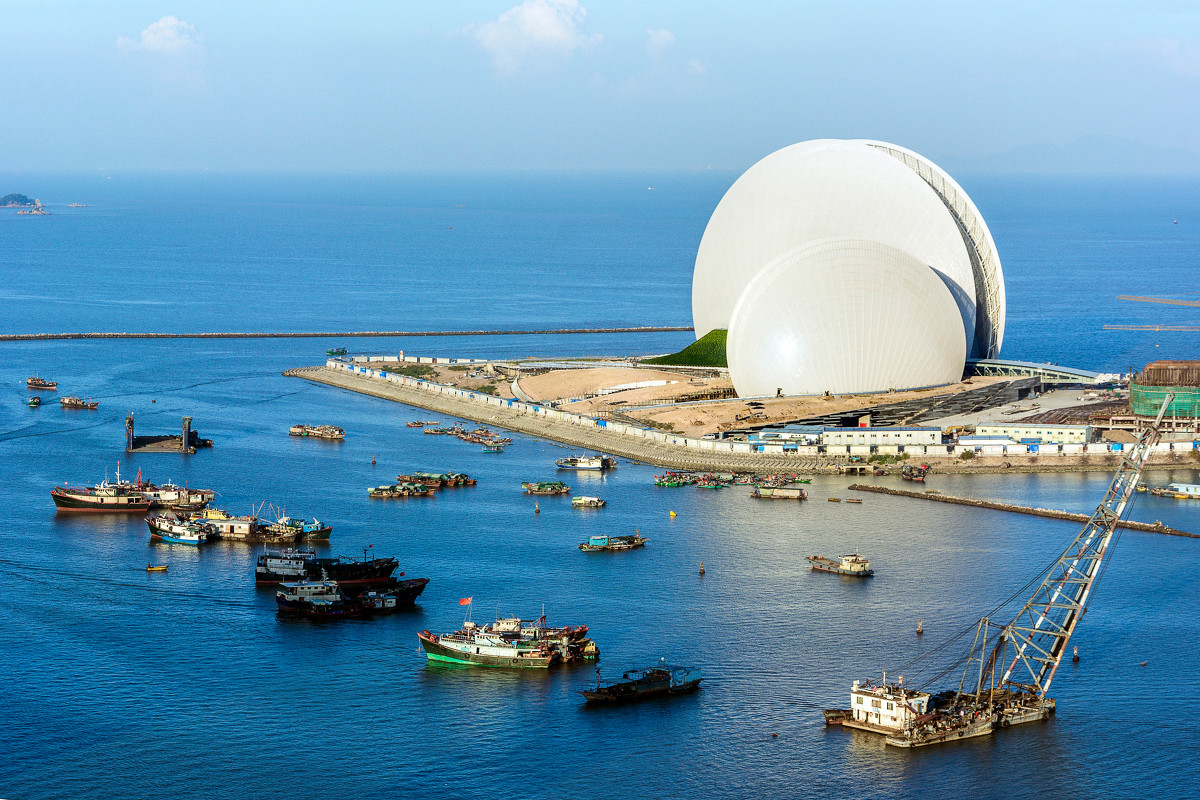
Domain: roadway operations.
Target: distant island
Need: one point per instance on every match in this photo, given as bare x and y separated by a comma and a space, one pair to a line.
17, 201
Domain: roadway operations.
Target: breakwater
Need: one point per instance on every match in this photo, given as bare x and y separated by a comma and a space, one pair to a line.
41, 337
1147, 527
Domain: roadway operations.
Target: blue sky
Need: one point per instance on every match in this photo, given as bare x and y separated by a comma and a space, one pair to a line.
560, 84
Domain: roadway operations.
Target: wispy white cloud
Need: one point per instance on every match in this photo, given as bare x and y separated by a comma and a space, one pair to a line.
534, 30
697, 67
660, 40
168, 36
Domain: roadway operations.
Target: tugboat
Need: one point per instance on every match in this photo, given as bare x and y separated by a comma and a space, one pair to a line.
34, 402
176, 531
612, 543
120, 496
40, 383
71, 401
638, 684
852, 564
546, 487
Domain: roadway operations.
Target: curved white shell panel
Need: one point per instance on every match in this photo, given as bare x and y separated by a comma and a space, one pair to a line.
991, 302
844, 316
817, 190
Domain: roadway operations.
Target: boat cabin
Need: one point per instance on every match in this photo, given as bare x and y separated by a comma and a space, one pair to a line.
306, 590
888, 706
1186, 489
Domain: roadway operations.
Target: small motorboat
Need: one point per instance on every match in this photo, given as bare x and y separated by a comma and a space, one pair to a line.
34, 402
156, 568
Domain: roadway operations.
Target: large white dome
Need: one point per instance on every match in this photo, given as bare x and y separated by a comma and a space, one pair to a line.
854, 189
844, 316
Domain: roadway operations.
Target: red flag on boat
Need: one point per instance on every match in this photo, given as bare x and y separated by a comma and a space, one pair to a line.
466, 601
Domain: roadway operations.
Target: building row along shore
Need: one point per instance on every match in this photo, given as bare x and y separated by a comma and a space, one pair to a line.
678, 451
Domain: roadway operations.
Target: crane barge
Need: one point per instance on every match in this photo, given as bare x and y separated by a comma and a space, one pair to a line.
1009, 668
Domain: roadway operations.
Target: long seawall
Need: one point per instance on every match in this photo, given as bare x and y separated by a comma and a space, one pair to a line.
40, 337
652, 447
1147, 527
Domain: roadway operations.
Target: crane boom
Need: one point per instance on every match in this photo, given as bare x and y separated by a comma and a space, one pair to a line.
1038, 635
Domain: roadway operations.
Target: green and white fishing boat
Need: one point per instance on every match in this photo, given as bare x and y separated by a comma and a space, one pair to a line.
486, 648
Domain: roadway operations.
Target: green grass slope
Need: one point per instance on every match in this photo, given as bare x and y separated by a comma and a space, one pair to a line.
707, 351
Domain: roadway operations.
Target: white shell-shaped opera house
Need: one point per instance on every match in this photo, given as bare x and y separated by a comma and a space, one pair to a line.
848, 266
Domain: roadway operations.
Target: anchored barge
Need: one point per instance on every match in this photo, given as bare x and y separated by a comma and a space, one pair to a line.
318, 431
588, 502
852, 564
71, 401
596, 544
600, 462
1178, 491
639, 684
396, 594
779, 493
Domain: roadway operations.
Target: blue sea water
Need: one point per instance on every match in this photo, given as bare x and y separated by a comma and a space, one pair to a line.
119, 683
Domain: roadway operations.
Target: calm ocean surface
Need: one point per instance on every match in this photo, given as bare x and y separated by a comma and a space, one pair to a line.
118, 683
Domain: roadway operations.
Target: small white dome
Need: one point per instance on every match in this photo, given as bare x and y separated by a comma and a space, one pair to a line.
844, 315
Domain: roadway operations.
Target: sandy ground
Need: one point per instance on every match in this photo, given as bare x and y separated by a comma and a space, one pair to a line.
702, 418
578, 382
474, 378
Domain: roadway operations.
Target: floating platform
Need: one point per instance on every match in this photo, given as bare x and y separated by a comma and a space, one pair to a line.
188, 442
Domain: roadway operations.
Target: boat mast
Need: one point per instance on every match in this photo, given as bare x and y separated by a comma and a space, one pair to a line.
1032, 644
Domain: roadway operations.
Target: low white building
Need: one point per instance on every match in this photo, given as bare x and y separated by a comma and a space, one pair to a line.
1038, 432
902, 436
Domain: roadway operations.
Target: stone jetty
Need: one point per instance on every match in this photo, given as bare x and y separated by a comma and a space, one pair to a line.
1147, 527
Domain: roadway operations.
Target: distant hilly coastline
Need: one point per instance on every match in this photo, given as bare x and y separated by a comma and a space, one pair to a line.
16, 201
1091, 154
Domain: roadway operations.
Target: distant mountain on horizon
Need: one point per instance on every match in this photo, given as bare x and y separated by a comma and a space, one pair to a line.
1094, 153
